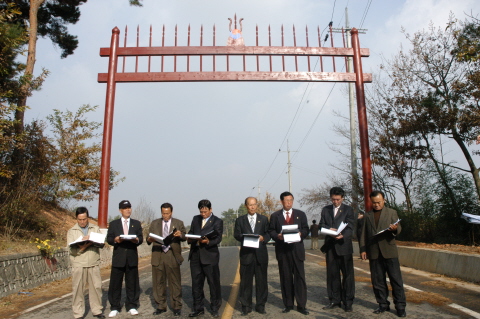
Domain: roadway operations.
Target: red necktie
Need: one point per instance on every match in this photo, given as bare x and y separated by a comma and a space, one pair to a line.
288, 217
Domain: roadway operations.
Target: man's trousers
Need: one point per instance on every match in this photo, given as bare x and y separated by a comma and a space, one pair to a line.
81, 276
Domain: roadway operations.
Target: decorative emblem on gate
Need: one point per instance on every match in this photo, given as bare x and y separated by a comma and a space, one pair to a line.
235, 38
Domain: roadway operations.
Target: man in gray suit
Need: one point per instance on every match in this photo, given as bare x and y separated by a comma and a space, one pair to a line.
253, 261
339, 250
166, 260
381, 250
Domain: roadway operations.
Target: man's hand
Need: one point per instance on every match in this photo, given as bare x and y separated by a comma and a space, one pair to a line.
85, 246
118, 240
392, 227
336, 237
177, 234
340, 236
204, 240
280, 236
363, 256
135, 240
150, 239
86, 237
261, 238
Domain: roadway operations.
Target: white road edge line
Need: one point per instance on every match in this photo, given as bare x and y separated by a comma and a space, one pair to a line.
64, 296
452, 305
466, 310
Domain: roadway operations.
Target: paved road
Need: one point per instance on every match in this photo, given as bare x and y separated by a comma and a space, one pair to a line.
448, 298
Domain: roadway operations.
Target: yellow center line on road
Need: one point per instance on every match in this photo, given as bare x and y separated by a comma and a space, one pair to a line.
232, 299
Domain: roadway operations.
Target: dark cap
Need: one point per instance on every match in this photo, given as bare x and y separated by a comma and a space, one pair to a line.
124, 204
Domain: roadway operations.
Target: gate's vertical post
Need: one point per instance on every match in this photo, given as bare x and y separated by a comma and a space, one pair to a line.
362, 120
107, 131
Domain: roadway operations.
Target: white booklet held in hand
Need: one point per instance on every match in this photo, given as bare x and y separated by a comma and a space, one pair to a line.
128, 237
327, 231
192, 236
97, 239
291, 234
251, 240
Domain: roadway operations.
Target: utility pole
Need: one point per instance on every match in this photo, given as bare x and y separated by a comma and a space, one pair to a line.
353, 122
289, 164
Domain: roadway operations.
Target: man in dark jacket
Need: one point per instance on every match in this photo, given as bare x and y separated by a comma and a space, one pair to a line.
204, 258
339, 250
377, 243
290, 255
253, 261
124, 234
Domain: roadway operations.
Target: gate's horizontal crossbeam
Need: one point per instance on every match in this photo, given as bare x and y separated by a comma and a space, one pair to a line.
230, 50
234, 76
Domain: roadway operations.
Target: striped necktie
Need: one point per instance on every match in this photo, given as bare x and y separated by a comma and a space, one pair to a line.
252, 223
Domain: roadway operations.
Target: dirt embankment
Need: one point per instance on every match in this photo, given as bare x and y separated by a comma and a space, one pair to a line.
449, 247
59, 222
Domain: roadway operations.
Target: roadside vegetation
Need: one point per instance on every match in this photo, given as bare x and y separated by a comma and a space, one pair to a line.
423, 108
46, 165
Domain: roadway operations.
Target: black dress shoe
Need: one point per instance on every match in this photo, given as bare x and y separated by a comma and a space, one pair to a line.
331, 306
215, 314
348, 309
177, 312
303, 311
245, 311
401, 313
159, 311
381, 309
261, 310
196, 313
287, 309
100, 315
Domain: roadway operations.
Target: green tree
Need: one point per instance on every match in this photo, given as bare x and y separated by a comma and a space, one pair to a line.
76, 164
45, 18
433, 94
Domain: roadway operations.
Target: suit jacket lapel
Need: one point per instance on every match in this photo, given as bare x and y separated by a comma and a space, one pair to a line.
372, 221
383, 221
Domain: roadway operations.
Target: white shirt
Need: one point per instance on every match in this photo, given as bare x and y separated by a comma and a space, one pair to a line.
285, 213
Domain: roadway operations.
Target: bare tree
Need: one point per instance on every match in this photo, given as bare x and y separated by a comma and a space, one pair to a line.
144, 212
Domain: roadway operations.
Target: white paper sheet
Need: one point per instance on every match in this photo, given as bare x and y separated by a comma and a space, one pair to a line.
251, 241
327, 231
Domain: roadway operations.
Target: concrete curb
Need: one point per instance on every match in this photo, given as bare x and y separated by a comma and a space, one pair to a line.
452, 264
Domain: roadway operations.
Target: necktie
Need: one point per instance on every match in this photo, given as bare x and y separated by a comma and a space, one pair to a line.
204, 221
252, 224
165, 234
288, 217
335, 211
125, 227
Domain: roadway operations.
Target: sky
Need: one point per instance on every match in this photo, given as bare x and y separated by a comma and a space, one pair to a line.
183, 142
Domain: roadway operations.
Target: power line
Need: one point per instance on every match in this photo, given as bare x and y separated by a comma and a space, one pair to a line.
365, 13
295, 118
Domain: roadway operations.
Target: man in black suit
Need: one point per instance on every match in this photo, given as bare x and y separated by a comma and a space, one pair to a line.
124, 260
381, 250
290, 256
204, 258
339, 250
253, 261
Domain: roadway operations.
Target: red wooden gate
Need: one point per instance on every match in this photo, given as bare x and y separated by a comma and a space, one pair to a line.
258, 72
